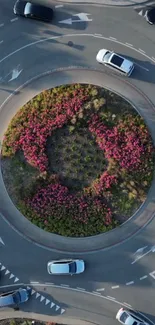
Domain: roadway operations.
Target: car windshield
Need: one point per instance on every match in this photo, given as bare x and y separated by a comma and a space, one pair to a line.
117, 60
72, 267
124, 317
16, 297
106, 56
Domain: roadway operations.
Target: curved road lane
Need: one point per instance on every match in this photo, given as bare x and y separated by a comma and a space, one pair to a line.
111, 271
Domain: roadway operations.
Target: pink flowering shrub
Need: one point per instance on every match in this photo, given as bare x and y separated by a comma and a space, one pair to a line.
126, 147
29, 130
54, 202
126, 143
105, 182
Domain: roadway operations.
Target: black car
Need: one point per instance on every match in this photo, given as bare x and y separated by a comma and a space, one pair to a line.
150, 16
34, 11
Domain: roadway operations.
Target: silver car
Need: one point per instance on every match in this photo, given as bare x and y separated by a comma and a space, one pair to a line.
14, 297
65, 267
115, 61
128, 318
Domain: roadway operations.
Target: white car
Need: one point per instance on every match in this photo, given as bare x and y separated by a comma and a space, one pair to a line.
128, 318
65, 267
115, 61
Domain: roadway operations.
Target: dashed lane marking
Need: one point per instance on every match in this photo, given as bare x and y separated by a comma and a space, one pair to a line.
3, 267
16, 279
98, 34
59, 6
129, 283
65, 285
125, 303
113, 38
141, 51
34, 282
81, 289
14, 19
112, 298
38, 294
143, 277
57, 307
115, 287
102, 289
129, 44
96, 292
7, 272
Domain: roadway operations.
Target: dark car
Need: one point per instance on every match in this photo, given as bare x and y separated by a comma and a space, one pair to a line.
34, 11
15, 297
150, 16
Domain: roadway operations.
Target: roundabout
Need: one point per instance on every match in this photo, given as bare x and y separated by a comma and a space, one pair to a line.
109, 259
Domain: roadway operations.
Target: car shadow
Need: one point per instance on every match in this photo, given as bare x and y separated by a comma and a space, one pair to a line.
144, 69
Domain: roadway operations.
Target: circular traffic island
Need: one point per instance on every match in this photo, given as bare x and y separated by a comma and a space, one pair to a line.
77, 160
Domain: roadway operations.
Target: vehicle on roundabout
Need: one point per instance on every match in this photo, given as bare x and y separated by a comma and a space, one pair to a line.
115, 61
66, 267
150, 16
33, 10
129, 318
14, 297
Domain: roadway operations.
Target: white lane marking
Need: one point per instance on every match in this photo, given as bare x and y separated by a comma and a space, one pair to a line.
49, 283
84, 292
114, 287
65, 285
62, 311
28, 288
16, 279
33, 282
1, 241
97, 293
113, 38
141, 50
14, 19
102, 289
1, 25
11, 276
125, 303
111, 297
98, 34
129, 283
42, 298
81, 289
3, 268
52, 305
57, 307
32, 292
47, 301
129, 44
37, 295
68, 35
143, 277
152, 274
7, 272
153, 58
11, 285
59, 6
149, 251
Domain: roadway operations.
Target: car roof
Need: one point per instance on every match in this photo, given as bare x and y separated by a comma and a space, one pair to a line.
60, 267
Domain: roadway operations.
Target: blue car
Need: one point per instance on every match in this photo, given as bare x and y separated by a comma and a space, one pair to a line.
15, 297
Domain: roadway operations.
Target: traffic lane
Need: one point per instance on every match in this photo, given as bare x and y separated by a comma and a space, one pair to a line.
140, 297
82, 305
77, 49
